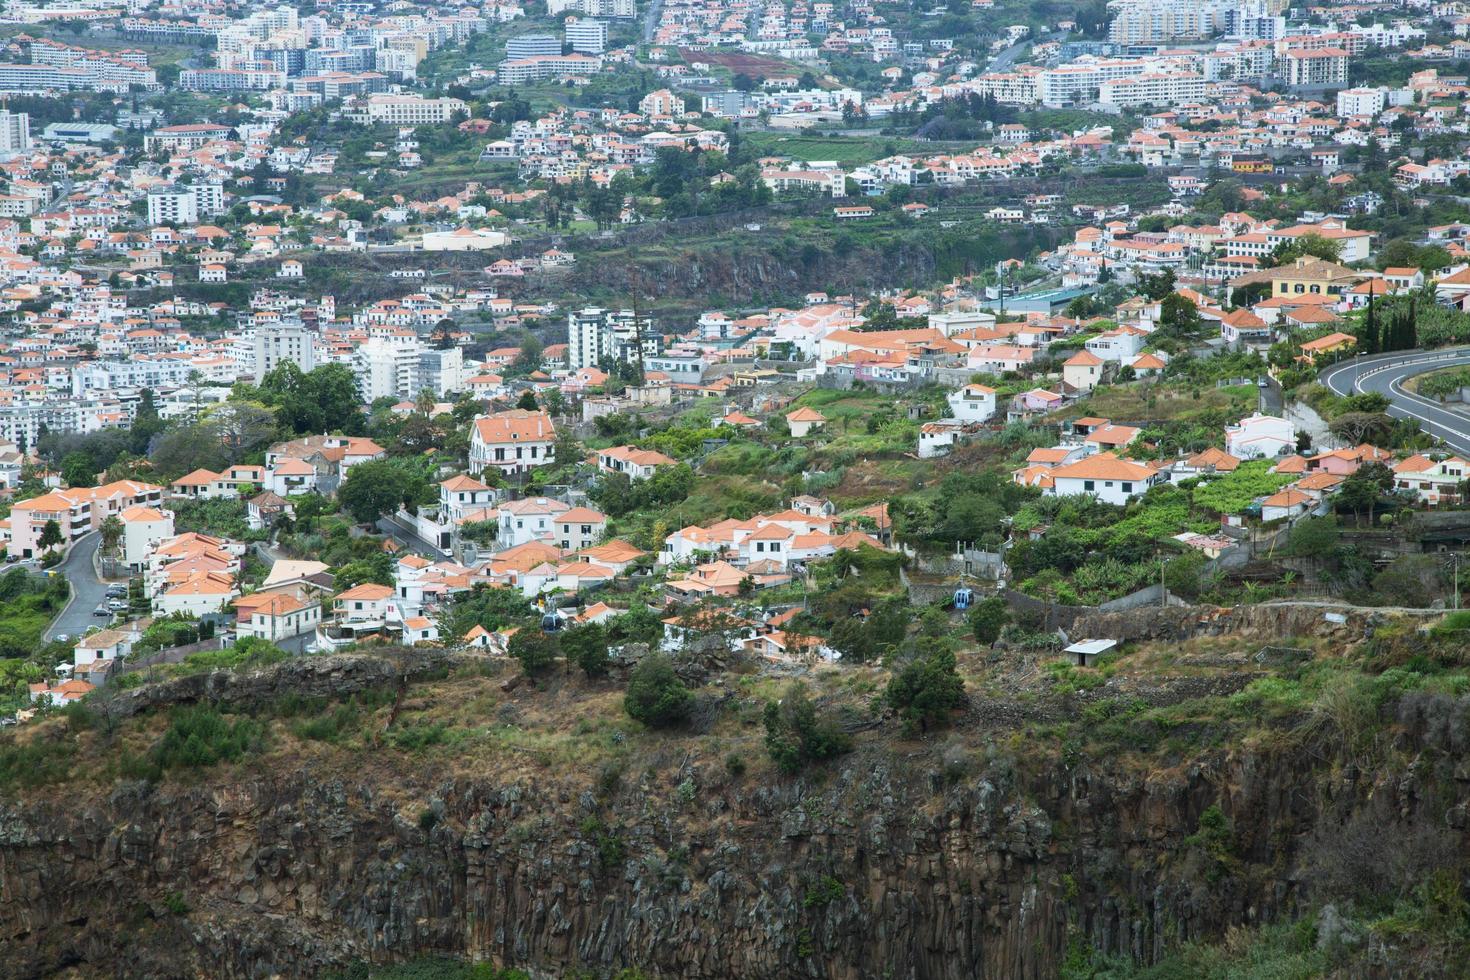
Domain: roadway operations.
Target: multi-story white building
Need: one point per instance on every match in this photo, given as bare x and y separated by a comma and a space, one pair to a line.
441, 371
1315, 69
173, 205
1162, 21
277, 343
15, 132
404, 110
586, 36
1155, 88
1360, 102
387, 367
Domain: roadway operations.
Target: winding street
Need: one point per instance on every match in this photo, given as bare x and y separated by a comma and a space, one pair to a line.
1386, 374
87, 590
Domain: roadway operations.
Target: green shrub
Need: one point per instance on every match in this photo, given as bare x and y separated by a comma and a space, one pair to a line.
797, 735
927, 688
200, 736
656, 696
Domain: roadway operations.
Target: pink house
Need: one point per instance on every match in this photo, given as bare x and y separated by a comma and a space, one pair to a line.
1345, 462
76, 512
1039, 400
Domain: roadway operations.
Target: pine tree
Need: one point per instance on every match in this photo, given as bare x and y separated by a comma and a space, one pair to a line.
1368, 336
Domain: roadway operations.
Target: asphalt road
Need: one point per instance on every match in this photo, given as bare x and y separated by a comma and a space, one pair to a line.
1386, 374
87, 590
409, 540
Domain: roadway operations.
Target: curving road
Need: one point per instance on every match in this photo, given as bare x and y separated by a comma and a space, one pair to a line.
1386, 374
87, 590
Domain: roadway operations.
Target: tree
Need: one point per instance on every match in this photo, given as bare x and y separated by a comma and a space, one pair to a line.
242, 427
796, 734
78, 470
535, 650
1415, 581
527, 401
1306, 245
1368, 336
112, 531
325, 399
50, 535
185, 448
586, 646
529, 358
1360, 427
988, 618
380, 487
1157, 286
655, 696
1362, 489
1179, 315
1313, 537
928, 688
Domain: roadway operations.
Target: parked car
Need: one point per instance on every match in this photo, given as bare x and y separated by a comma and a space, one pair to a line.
102, 611
61, 638
117, 605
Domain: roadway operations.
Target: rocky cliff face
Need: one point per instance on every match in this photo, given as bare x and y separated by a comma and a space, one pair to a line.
903, 861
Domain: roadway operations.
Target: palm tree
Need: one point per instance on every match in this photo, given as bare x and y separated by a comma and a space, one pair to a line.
112, 532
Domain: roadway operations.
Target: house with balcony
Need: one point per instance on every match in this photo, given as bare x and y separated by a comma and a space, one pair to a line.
1432, 479
512, 442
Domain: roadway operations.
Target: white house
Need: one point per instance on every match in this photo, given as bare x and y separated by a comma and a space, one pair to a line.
289, 475
462, 497
366, 602
1260, 437
531, 519
144, 529
512, 442
1286, 504
1083, 370
804, 420
578, 528
637, 464
277, 615
198, 595
1433, 481
1120, 345
1105, 476
972, 403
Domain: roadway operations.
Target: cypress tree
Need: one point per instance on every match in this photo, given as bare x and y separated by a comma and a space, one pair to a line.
1368, 338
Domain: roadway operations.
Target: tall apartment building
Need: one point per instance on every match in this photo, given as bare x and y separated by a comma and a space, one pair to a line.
605, 9
595, 335
585, 346
586, 36
1360, 102
185, 205
1315, 69
387, 368
15, 132
281, 342
1161, 21
531, 46
441, 371
616, 9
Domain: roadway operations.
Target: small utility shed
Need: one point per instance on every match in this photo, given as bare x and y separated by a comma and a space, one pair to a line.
1087, 651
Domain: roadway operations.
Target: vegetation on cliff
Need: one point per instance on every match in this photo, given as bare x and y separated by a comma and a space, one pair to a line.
1147, 805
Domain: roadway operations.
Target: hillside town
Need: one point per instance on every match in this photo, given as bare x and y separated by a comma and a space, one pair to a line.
814, 378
